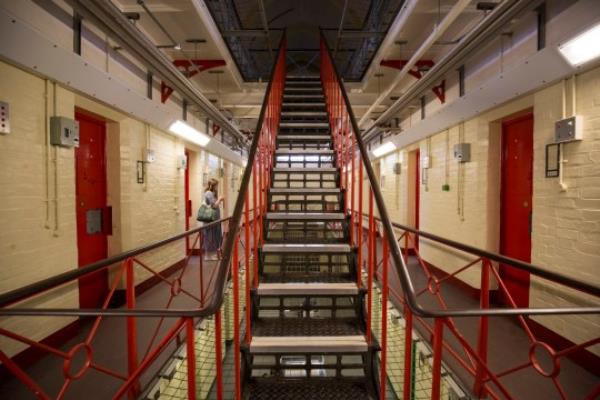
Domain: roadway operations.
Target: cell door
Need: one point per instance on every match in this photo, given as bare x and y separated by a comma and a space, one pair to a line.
516, 207
91, 210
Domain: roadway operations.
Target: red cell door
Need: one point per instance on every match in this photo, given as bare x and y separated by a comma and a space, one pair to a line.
90, 178
516, 207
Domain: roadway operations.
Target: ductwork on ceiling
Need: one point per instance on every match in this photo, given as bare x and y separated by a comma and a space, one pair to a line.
106, 16
472, 41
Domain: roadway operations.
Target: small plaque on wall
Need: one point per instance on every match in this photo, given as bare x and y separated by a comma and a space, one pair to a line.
552, 160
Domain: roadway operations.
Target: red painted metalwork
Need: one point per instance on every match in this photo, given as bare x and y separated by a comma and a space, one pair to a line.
384, 319
360, 221
185, 66
408, 343
516, 204
415, 71
132, 356
236, 321
191, 357
440, 91
482, 340
436, 369
247, 263
90, 196
370, 267
219, 355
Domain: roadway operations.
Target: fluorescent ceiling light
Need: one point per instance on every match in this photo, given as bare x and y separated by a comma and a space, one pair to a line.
384, 149
188, 133
583, 47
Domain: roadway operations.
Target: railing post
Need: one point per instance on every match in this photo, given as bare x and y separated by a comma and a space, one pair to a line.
255, 221
370, 265
408, 343
218, 355
191, 358
200, 262
247, 256
406, 233
436, 370
352, 227
360, 220
236, 320
482, 338
384, 317
132, 355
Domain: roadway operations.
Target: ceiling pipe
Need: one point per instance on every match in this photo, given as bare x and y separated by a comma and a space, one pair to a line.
106, 16
263, 16
438, 31
472, 41
397, 26
215, 35
340, 29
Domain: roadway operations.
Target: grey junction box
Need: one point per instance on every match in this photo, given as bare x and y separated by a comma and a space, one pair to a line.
462, 152
64, 132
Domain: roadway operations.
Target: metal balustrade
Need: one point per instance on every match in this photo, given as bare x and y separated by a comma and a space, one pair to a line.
422, 345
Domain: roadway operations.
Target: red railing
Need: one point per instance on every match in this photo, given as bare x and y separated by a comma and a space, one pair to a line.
351, 155
138, 358
203, 297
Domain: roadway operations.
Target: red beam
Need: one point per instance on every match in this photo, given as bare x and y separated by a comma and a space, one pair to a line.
185, 66
415, 71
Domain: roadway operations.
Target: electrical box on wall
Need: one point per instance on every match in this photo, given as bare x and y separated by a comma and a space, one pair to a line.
149, 155
182, 162
462, 152
568, 129
4, 118
397, 168
425, 162
64, 132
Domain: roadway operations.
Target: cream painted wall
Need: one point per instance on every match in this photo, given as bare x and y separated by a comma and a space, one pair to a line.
566, 225
37, 201
36, 244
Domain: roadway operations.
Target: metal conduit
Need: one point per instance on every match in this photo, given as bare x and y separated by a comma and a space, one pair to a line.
472, 41
111, 20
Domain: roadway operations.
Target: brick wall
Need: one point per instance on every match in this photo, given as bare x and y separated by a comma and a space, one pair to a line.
566, 225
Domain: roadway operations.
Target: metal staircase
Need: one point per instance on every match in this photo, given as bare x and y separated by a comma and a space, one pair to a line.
308, 323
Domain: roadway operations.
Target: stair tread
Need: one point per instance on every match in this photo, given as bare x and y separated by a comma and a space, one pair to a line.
308, 344
307, 191
304, 151
303, 105
306, 248
305, 327
329, 170
304, 137
311, 288
297, 124
308, 390
329, 216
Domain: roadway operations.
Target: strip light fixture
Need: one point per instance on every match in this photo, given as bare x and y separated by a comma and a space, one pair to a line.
582, 48
189, 133
385, 148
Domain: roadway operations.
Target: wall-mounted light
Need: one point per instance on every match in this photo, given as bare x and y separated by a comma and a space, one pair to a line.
583, 47
385, 148
188, 133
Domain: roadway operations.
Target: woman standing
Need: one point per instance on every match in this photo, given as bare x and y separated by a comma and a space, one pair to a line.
213, 235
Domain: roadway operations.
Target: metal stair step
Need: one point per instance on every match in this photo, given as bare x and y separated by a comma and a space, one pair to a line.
297, 288
303, 114
306, 216
304, 137
303, 89
304, 125
291, 105
297, 152
309, 344
335, 248
307, 191
307, 389
302, 96
288, 170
